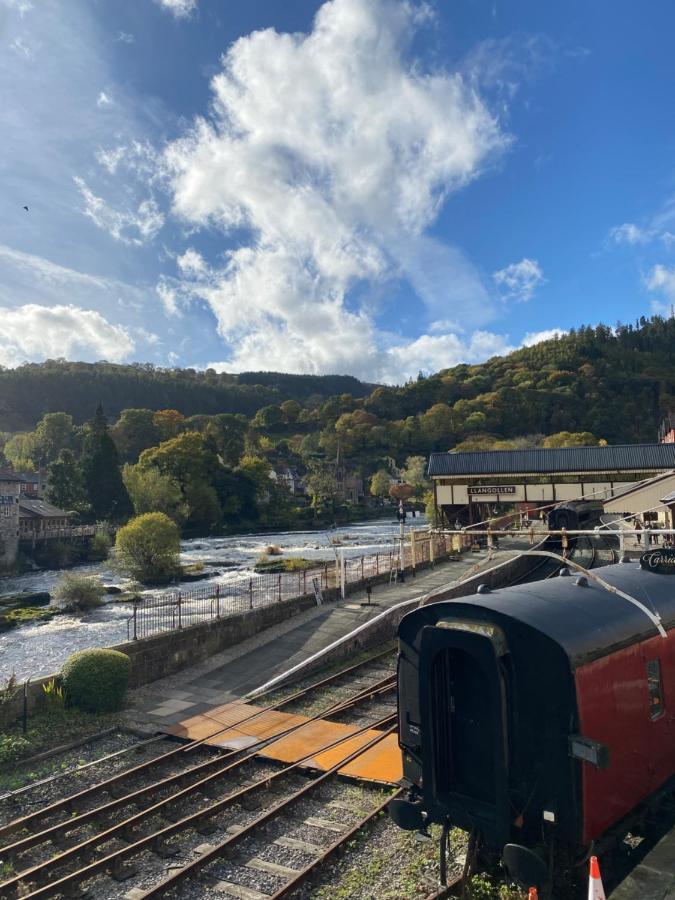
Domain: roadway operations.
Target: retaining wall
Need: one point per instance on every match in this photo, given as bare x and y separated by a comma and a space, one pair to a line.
168, 652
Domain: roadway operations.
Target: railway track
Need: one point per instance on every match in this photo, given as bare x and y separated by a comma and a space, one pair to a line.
88, 841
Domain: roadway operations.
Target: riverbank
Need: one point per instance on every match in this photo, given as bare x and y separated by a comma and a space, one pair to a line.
41, 648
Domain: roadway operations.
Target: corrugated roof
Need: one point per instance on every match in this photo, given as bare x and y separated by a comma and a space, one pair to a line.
32, 506
549, 460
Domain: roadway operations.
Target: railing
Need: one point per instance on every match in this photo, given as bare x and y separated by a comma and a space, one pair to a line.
65, 531
180, 608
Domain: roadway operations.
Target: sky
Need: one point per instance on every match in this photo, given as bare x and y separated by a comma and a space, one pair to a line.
365, 187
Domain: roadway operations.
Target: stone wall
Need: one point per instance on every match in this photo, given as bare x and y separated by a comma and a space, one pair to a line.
9, 522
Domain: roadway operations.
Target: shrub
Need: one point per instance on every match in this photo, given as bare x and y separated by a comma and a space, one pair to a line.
78, 592
96, 680
7, 694
147, 548
100, 545
53, 695
12, 748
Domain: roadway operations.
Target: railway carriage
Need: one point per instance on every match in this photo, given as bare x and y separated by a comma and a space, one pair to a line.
541, 716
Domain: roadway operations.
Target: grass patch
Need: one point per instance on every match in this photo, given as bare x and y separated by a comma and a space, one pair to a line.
46, 730
289, 564
27, 616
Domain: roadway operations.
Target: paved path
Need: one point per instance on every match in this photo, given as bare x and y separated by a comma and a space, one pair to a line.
240, 669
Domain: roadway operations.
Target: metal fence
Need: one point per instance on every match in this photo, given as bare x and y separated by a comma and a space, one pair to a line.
179, 608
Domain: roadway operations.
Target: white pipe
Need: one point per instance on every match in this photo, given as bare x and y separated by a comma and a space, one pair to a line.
655, 618
347, 637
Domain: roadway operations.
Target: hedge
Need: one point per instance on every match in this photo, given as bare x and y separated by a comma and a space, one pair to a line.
96, 680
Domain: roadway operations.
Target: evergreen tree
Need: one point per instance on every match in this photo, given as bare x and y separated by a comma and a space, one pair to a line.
108, 497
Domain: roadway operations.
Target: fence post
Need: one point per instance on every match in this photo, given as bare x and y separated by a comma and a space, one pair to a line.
135, 611
279, 587
377, 563
250, 593
304, 581
180, 610
217, 601
362, 559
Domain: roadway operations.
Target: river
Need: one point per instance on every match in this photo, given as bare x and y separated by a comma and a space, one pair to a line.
35, 650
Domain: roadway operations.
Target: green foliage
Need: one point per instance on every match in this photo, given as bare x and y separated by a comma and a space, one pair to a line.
569, 439
7, 695
12, 748
96, 680
54, 695
101, 545
21, 451
108, 497
380, 483
53, 434
147, 548
66, 482
153, 491
78, 592
134, 431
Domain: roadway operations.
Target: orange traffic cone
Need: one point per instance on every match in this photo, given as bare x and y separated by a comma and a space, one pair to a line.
532, 894
595, 888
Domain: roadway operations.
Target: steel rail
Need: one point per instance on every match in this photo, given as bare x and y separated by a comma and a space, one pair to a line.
12, 850
28, 820
192, 868
105, 863
311, 868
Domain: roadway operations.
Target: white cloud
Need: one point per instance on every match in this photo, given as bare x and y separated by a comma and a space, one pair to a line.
661, 279
429, 353
169, 299
192, 263
125, 38
34, 332
103, 100
21, 48
334, 153
181, 9
629, 233
536, 337
130, 227
519, 280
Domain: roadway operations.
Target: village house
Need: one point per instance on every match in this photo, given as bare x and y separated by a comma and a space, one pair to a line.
39, 519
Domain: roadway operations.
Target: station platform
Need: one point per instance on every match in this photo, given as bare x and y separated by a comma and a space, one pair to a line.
654, 877
233, 673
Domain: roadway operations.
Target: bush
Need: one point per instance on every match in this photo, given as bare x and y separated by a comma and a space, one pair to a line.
147, 548
100, 545
96, 680
12, 748
78, 592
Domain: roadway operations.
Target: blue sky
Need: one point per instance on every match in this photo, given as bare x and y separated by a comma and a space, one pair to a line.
370, 187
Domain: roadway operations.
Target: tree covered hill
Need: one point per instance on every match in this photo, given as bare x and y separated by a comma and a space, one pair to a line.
616, 383
31, 390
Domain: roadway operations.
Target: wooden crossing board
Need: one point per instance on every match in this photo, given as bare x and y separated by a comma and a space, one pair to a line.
238, 725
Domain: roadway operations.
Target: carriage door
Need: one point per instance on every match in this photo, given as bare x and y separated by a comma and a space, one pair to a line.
464, 718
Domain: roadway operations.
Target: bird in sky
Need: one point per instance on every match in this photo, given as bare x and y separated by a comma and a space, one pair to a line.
26, 208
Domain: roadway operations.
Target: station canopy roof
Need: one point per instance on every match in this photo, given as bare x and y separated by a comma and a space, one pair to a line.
551, 460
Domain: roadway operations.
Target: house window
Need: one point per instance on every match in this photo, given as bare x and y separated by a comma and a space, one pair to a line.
655, 687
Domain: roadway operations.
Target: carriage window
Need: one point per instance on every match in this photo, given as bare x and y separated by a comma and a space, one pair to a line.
655, 688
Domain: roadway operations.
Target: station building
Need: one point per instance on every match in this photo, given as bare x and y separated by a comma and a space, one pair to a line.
468, 484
